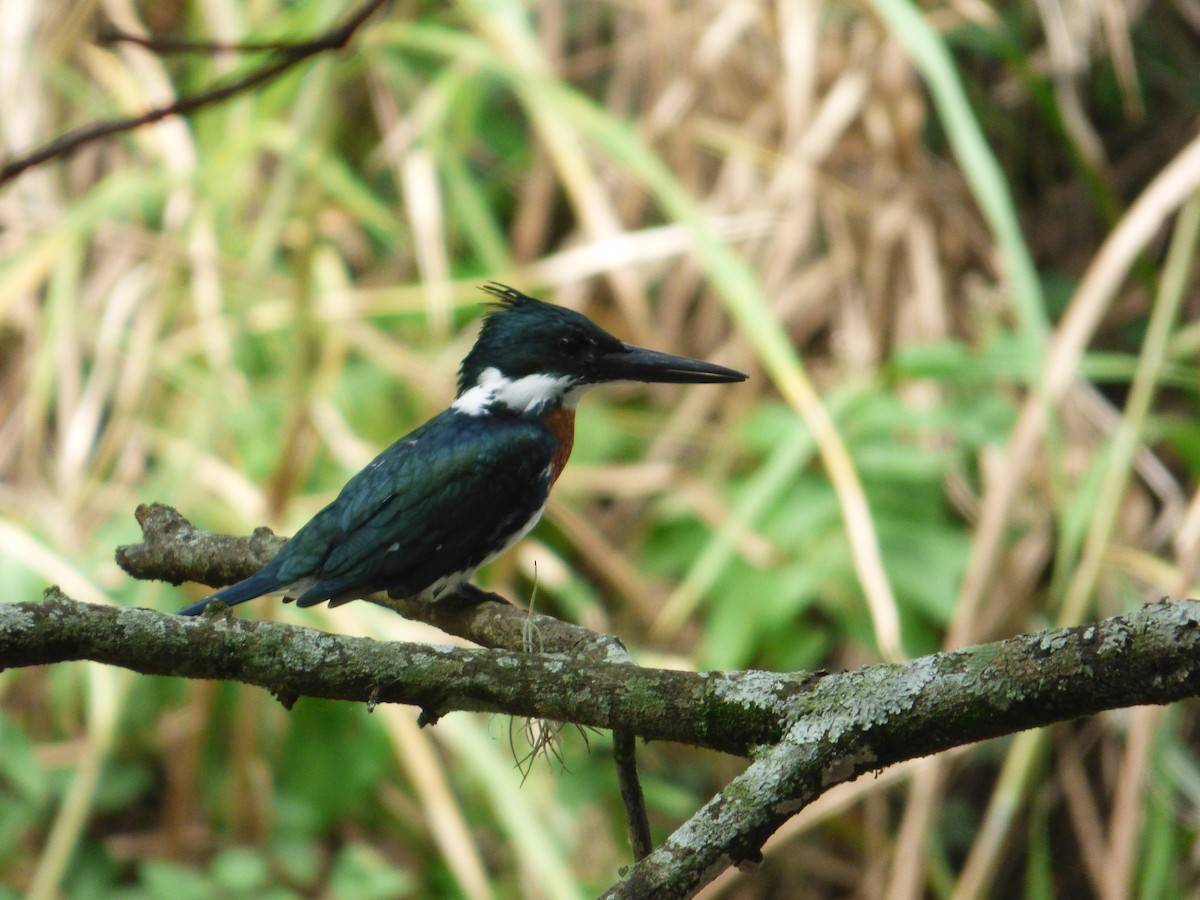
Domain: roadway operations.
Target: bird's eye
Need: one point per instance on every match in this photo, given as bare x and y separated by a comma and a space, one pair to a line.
572, 344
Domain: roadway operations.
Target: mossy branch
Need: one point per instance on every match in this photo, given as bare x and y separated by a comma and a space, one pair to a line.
804, 732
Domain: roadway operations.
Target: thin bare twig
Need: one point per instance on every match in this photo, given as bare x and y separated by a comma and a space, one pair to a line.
625, 756
166, 44
283, 58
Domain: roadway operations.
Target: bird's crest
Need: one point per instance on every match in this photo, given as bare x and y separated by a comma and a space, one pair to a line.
506, 297
499, 334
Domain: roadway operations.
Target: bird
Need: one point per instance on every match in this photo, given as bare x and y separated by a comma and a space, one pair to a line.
451, 496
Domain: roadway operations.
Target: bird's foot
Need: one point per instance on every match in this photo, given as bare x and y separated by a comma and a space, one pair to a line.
469, 595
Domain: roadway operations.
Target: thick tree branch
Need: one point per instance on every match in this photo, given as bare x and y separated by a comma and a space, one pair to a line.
282, 59
175, 551
804, 733
293, 662
858, 720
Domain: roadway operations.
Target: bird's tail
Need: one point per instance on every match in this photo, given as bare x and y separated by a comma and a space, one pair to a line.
255, 586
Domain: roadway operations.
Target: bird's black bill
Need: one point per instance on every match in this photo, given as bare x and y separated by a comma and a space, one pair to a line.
638, 364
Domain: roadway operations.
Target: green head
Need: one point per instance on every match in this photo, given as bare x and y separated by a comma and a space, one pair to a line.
531, 354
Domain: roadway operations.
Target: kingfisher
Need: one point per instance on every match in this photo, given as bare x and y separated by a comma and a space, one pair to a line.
464, 487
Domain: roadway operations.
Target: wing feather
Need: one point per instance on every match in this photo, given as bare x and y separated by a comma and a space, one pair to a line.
435, 503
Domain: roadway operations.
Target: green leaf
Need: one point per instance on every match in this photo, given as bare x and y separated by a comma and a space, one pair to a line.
169, 881
362, 873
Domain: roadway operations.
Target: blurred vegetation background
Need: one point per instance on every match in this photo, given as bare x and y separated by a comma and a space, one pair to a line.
929, 218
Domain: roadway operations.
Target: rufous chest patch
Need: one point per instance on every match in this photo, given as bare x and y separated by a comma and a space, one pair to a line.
561, 423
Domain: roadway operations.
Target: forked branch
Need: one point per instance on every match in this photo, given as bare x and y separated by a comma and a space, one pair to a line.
804, 732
